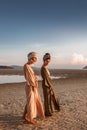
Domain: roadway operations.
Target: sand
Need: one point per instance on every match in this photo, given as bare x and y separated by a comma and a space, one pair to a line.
72, 95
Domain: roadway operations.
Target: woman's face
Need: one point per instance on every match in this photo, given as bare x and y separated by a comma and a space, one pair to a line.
33, 60
46, 62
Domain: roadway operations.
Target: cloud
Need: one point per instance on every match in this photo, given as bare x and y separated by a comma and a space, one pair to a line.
78, 59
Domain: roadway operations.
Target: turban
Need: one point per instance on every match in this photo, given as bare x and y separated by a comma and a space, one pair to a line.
32, 55
46, 56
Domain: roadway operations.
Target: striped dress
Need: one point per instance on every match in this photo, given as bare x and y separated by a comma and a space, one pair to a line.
34, 104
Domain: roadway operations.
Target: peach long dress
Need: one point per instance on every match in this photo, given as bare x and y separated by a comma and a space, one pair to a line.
34, 104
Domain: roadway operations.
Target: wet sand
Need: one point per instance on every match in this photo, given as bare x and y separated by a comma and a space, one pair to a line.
72, 95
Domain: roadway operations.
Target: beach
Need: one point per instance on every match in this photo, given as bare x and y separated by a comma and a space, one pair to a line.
71, 93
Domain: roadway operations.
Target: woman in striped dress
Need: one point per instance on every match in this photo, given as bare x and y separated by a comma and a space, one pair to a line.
33, 106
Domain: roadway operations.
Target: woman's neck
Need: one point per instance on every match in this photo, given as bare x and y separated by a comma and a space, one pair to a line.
44, 65
28, 63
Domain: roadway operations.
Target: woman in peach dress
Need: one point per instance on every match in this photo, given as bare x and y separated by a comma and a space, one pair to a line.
33, 106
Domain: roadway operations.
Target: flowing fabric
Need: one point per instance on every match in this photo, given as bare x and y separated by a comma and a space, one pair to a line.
46, 84
34, 104
49, 97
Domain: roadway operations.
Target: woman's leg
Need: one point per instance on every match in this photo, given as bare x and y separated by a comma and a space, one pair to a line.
25, 116
30, 121
51, 103
47, 104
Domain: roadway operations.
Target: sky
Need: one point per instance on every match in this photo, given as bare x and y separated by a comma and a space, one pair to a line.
55, 26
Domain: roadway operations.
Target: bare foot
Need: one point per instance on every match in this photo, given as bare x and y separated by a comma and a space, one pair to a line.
30, 121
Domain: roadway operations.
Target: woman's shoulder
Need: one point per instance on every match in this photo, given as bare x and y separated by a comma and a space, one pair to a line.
26, 65
43, 69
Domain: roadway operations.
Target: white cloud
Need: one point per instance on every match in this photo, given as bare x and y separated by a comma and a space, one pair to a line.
78, 59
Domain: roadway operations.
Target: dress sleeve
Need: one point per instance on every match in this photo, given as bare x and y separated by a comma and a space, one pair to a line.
29, 76
46, 77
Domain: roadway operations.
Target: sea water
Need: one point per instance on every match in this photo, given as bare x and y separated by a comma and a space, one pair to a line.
19, 78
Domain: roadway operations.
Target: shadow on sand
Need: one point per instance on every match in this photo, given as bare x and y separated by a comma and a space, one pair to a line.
10, 121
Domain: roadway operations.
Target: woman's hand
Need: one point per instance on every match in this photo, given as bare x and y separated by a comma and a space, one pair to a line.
50, 90
36, 82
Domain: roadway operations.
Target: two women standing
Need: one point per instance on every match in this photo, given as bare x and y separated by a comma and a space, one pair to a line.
33, 105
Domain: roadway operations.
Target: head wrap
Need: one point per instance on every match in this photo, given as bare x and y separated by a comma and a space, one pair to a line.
32, 55
46, 56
